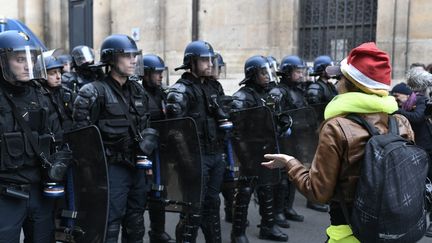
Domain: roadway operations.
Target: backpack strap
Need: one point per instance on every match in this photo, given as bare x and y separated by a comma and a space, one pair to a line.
392, 124
361, 121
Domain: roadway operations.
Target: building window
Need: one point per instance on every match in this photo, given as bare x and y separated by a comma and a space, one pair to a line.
334, 27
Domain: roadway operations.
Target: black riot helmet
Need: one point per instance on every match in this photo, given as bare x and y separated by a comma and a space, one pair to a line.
82, 56
18, 58
117, 44
219, 67
152, 64
52, 62
194, 50
320, 64
289, 63
255, 65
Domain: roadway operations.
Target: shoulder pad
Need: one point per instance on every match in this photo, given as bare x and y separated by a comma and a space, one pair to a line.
178, 87
88, 90
276, 91
69, 77
184, 81
240, 95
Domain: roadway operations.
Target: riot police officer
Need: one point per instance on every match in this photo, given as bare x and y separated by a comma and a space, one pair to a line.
322, 90
66, 59
29, 126
288, 95
318, 94
192, 96
154, 73
83, 58
118, 107
61, 97
254, 93
227, 190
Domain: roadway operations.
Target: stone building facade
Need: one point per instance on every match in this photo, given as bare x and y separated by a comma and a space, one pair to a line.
236, 29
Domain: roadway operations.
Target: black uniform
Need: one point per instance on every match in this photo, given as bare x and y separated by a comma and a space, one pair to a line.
20, 169
190, 97
320, 92
98, 103
75, 80
253, 95
288, 96
62, 99
156, 105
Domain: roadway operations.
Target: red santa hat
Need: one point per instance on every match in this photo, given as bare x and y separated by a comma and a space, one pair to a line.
368, 68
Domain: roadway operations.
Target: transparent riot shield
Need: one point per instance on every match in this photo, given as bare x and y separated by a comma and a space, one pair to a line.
253, 136
85, 213
178, 164
303, 140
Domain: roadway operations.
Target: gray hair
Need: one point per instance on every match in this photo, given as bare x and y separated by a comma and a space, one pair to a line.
419, 80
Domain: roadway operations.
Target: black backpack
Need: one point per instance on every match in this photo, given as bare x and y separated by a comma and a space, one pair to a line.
389, 205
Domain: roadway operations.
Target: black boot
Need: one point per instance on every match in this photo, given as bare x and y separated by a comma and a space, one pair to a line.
187, 227
228, 194
268, 229
289, 211
210, 223
133, 227
279, 203
320, 207
240, 209
157, 232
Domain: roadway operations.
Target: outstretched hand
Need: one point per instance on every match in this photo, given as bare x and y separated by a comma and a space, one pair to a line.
277, 161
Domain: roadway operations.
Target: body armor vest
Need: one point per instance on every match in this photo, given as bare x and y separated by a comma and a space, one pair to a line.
113, 124
292, 97
18, 162
201, 110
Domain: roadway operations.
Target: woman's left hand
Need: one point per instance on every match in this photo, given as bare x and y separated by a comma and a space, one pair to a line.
278, 161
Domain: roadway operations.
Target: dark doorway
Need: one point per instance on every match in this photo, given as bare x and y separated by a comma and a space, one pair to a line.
334, 27
80, 23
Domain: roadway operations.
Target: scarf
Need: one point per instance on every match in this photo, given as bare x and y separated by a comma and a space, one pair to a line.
356, 102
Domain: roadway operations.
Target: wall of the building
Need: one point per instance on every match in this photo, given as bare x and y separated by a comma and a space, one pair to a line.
403, 30
236, 29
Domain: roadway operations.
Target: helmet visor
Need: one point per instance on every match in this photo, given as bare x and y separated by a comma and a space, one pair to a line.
273, 68
267, 70
218, 69
84, 55
23, 65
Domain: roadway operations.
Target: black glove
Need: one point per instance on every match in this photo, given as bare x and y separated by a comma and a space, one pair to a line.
284, 122
60, 161
149, 141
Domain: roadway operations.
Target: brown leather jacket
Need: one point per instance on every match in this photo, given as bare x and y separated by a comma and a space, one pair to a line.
336, 165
